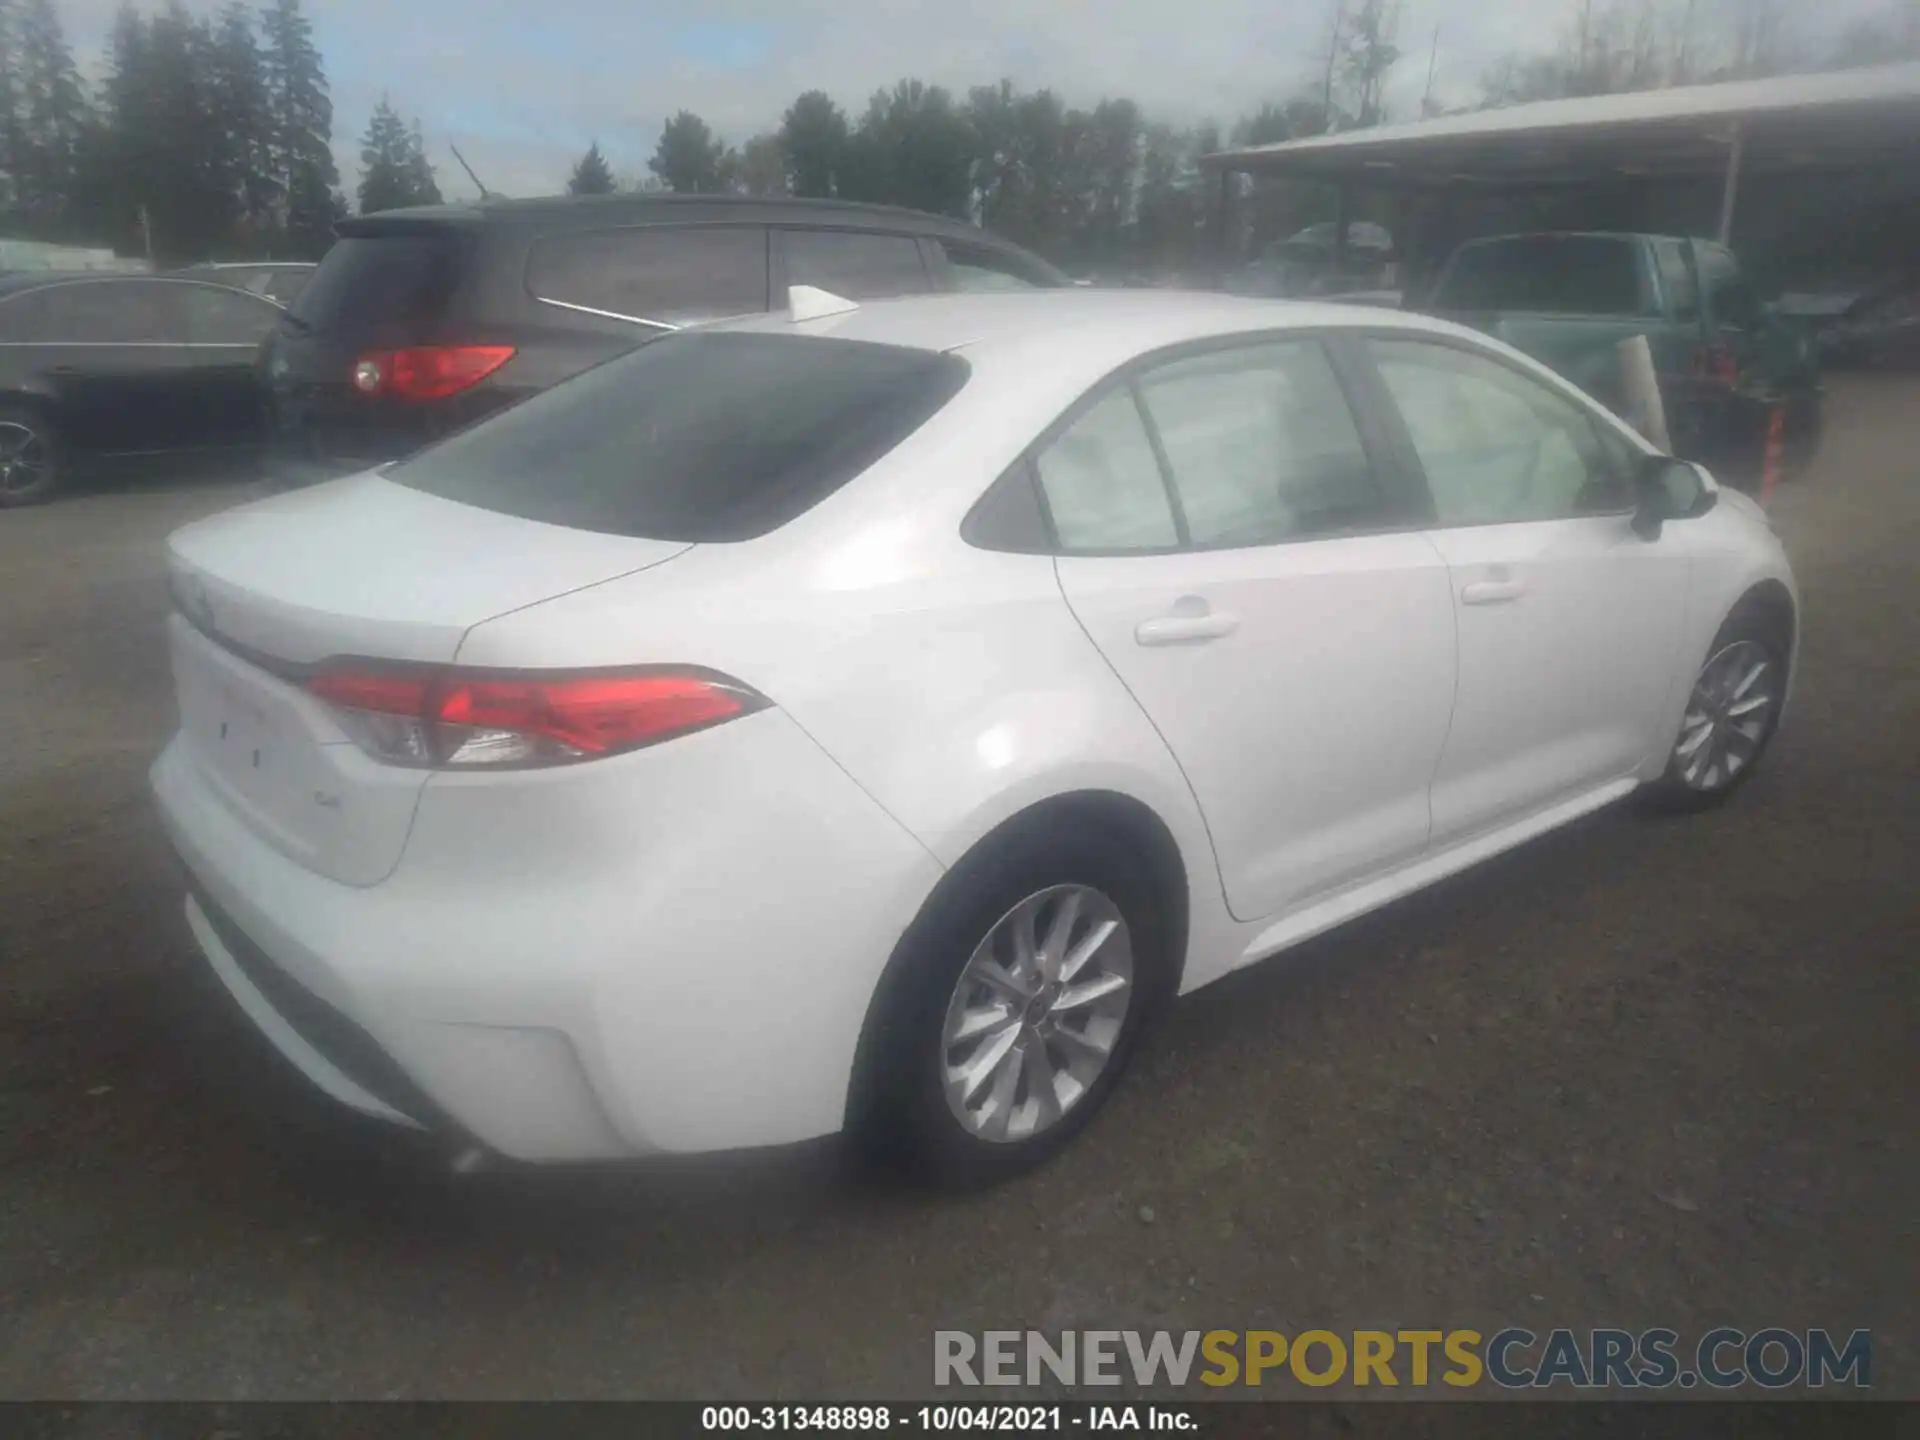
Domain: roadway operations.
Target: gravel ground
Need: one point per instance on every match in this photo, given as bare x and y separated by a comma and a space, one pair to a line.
1643, 1073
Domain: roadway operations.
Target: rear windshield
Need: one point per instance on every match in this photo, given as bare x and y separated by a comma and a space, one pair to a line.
375, 287
1552, 274
698, 437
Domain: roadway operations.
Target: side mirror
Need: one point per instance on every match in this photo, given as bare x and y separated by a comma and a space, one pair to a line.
1666, 489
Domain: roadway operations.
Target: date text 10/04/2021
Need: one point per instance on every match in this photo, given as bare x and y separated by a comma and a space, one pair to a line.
942, 1419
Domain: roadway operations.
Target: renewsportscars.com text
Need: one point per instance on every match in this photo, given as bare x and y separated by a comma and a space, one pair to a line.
1771, 1358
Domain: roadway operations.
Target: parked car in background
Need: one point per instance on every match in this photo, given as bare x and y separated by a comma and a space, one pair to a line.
1880, 330
873, 720
1307, 265
281, 281
103, 370
1568, 299
421, 321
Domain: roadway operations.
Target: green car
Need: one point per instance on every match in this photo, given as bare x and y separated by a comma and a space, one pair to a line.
1725, 361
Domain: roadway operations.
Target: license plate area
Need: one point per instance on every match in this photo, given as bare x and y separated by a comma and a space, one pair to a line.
282, 765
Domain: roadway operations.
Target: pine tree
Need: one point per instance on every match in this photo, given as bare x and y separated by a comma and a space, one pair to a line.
243, 114
302, 123
592, 175
689, 160
9, 106
53, 116
384, 181
422, 188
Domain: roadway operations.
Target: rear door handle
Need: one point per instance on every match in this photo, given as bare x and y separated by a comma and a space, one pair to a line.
1492, 592
1186, 629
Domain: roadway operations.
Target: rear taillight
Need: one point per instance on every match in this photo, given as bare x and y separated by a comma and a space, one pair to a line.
457, 719
427, 372
1717, 362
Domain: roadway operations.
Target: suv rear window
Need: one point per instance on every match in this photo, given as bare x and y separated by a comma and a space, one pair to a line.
373, 287
696, 437
1548, 274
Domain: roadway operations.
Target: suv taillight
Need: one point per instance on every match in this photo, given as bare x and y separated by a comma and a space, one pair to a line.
1716, 361
427, 372
459, 719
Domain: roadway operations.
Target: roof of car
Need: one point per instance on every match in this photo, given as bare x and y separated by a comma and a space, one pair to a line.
36, 279
247, 265
1112, 324
591, 208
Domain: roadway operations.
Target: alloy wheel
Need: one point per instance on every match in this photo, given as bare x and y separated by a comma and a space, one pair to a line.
1727, 717
1037, 1013
24, 461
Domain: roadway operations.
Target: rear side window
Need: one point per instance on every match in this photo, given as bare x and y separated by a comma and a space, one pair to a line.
668, 276
696, 437
1550, 274
1731, 301
285, 285
855, 263
971, 270
219, 316
1103, 484
1676, 277
375, 287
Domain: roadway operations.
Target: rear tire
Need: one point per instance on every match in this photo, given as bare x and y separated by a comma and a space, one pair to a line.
1731, 715
936, 1023
32, 465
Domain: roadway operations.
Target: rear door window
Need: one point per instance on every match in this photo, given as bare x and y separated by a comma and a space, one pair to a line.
1262, 446
111, 312
386, 287
219, 316
660, 274
858, 264
1547, 274
696, 437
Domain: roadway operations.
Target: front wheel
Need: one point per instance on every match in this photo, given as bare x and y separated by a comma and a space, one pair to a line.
1014, 1009
30, 461
1730, 718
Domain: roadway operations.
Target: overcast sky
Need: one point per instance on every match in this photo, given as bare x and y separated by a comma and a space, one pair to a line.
522, 86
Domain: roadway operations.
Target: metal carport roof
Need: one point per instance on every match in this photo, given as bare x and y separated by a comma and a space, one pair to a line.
1780, 125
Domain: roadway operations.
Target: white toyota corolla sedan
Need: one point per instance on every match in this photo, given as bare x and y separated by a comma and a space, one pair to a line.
869, 716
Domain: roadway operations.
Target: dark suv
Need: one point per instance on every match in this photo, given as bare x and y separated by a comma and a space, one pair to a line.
421, 321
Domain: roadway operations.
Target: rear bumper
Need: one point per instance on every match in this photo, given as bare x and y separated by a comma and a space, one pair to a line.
663, 952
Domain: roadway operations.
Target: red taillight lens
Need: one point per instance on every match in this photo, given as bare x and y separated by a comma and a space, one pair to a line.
458, 720
1717, 362
427, 372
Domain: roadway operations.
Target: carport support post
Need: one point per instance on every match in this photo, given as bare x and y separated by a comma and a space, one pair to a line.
1221, 260
1730, 190
1342, 219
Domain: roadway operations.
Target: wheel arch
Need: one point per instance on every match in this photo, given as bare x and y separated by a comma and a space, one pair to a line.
1111, 811
1771, 606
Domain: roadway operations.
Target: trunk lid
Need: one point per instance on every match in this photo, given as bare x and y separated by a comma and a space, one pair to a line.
359, 567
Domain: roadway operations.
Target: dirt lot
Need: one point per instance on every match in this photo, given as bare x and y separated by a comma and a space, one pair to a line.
1642, 1074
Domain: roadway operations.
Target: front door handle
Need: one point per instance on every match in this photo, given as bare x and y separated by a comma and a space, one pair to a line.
1186, 629
1492, 592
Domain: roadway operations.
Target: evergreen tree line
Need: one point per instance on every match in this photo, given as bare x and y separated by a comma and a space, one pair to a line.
207, 135
1111, 186
210, 135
